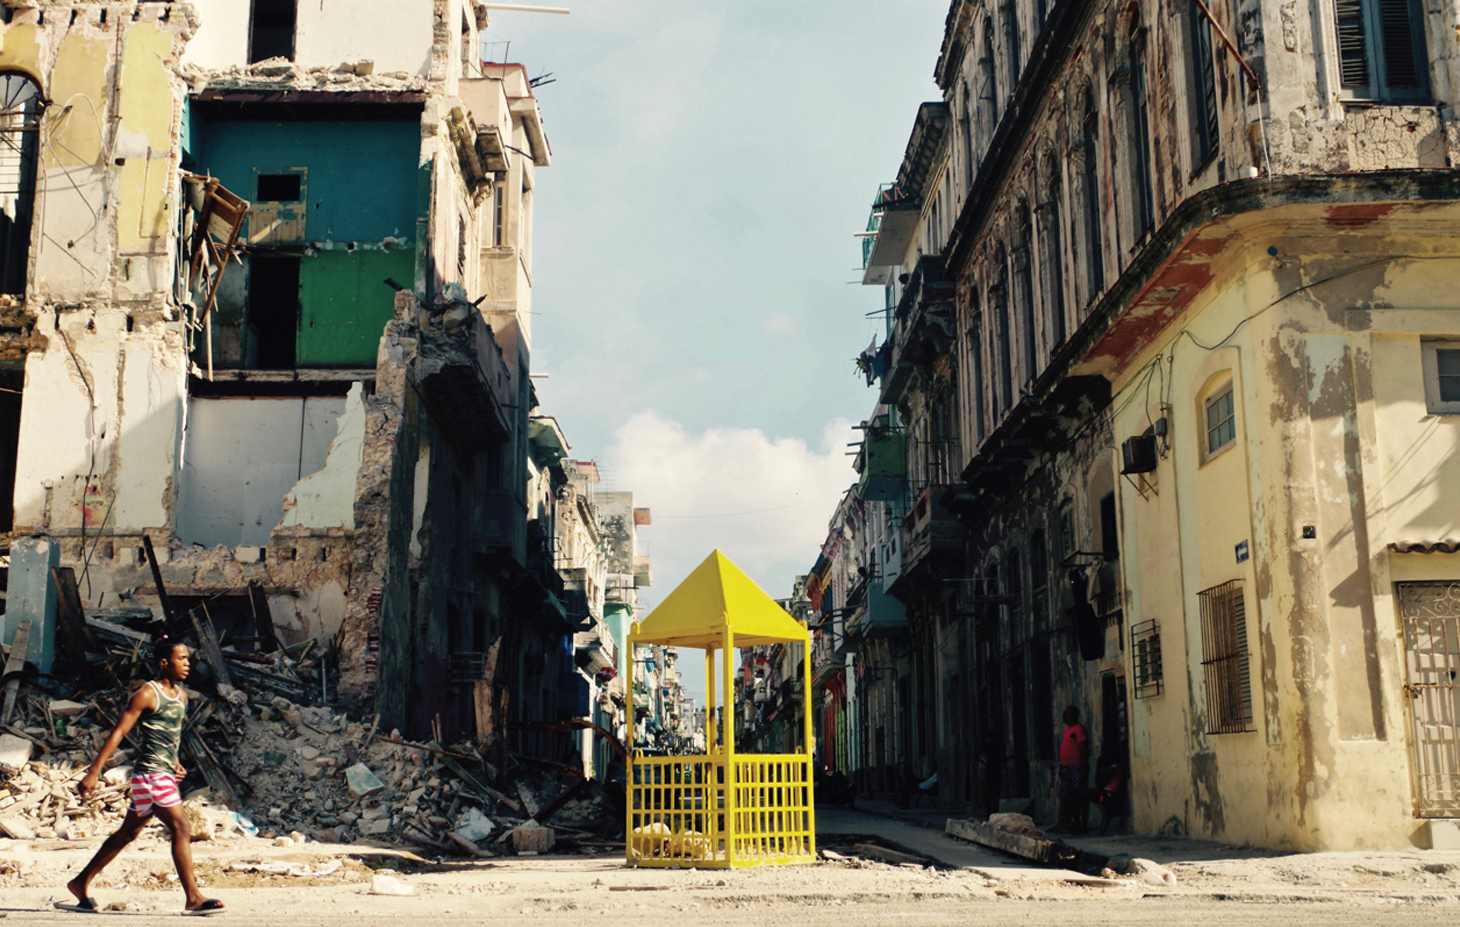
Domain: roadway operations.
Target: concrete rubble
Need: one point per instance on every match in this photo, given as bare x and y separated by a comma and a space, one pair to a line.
291, 774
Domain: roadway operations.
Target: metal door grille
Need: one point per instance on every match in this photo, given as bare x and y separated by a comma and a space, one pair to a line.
1225, 661
1430, 618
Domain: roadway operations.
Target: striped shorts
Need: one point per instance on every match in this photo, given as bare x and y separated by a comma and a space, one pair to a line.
151, 790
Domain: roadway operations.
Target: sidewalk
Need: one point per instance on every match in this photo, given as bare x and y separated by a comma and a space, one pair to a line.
1204, 867
922, 838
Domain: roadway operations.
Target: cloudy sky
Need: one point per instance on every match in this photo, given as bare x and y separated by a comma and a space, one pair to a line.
694, 252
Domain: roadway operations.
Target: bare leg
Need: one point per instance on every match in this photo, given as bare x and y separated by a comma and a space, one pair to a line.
182, 852
131, 826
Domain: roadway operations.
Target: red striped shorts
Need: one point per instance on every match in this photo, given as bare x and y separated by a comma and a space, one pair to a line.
151, 790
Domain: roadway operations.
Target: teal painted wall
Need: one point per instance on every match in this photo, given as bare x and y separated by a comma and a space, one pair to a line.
344, 304
362, 175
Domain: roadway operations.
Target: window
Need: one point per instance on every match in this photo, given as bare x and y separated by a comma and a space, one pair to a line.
999, 303
271, 32
1145, 657
975, 369
1441, 365
1142, 177
1226, 664
1221, 421
1051, 257
1109, 528
280, 188
20, 114
1381, 51
1024, 294
1090, 200
1203, 76
499, 216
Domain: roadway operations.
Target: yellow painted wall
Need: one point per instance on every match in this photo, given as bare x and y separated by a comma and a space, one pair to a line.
1332, 436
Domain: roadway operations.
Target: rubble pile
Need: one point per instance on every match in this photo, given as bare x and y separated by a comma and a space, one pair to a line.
286, 771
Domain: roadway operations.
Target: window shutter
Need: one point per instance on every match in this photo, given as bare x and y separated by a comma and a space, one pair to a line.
1353, 49
1399, 42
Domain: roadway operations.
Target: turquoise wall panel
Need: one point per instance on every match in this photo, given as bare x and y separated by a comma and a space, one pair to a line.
362, 175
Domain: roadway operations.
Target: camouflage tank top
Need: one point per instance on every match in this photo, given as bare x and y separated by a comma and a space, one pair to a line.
160, 732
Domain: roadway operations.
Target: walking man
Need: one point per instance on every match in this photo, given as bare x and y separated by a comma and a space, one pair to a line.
1074, 760
156, 710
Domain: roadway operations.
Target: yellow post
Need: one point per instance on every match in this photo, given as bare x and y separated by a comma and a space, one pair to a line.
629, 770
727, 713
810, 819
709, 700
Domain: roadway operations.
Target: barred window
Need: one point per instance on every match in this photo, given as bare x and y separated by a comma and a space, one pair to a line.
1145, 656
1226, 663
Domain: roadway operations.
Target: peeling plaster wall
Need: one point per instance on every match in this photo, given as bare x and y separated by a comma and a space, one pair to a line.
96, 395
1332, 435
326, 498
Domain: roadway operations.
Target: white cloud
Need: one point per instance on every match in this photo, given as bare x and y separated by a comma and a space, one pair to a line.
763, 502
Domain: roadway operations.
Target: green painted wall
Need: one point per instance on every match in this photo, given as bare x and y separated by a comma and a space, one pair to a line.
345, 303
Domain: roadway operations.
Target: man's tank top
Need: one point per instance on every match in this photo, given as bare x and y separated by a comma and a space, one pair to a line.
161, 732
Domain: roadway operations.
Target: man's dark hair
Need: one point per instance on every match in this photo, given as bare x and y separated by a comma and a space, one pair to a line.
163, 647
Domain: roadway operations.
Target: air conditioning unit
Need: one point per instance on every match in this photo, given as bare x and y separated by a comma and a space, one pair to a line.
1138, 454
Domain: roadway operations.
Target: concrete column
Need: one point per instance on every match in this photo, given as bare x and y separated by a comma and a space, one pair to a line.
32, 597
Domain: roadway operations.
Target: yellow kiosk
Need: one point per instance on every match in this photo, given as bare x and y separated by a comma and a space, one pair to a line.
722, 809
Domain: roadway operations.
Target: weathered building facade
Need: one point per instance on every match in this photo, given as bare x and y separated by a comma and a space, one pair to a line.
267, 305
1169, 350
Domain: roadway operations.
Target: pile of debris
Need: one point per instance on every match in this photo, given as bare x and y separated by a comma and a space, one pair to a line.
263, 758
303, 770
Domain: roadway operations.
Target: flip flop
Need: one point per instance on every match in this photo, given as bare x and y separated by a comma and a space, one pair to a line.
211, 906
86, 905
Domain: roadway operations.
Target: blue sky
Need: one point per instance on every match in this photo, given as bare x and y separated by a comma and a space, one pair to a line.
694, 248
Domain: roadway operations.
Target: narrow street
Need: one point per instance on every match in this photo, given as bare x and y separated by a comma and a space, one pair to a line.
967, 885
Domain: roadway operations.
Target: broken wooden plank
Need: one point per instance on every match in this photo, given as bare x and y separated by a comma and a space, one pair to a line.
13, 667
212, 774
1006, 841
889, 856
208, 639
565, 796
76, 639
162, 596
263, 619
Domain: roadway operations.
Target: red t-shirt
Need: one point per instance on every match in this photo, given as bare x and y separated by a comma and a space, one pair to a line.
1072, 744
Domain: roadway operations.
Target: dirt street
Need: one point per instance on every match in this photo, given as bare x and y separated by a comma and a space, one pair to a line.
316, 883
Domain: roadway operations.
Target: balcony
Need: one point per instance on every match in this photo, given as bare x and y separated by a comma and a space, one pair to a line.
930, 532
925, 326
883, 616
464, 378
882, 466
501, 526
643, 572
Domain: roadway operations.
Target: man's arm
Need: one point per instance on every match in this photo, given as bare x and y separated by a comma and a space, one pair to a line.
144, 700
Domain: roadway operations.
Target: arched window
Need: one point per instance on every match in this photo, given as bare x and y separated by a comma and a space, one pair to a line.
988, 97
1039, 580
1014, 589
1003, 355
1024, 294
1139, 128
1088, 154
973, 370
1009, 18
968, 148
1051, 252
20, 119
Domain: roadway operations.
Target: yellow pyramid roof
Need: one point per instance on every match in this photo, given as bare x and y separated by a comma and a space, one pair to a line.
718, 596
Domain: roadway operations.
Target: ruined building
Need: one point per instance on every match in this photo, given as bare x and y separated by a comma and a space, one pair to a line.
267, 275
1172, 359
